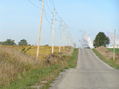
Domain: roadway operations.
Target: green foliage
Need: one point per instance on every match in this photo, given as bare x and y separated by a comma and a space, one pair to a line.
73, 60
101, 40
8, 42
23, 42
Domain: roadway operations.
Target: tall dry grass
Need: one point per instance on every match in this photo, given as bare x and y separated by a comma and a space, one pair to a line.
13, 64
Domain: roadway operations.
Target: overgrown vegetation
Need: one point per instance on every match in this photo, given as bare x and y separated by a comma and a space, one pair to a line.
106, 60
13, 64
19, 70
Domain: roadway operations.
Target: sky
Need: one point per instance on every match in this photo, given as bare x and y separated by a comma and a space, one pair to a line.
21, 18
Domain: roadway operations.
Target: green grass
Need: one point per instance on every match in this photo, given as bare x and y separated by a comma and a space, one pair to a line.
116, 50
108, 61
73, 60
31, 77
48, 73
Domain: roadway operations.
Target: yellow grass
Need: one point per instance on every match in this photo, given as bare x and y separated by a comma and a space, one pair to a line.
43, 51
14, 62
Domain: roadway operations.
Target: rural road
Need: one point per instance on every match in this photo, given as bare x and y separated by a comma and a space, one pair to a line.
90, 73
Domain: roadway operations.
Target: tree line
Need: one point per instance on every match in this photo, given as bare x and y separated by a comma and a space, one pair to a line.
100, 40
22, 42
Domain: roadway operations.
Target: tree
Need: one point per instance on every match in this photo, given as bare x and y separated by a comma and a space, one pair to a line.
101, 40
8, 42
23, 42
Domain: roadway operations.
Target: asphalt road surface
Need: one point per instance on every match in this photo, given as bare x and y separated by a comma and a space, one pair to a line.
91, 73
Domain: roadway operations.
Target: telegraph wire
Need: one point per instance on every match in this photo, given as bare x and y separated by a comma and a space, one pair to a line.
49, 9
33, 4
45, 14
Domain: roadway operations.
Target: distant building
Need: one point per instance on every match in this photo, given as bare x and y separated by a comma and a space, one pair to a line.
87, 41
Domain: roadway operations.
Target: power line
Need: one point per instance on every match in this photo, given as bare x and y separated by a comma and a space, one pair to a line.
48, 6
65, 26
46, 16
57, 14
33, 4
53, 4
51, 10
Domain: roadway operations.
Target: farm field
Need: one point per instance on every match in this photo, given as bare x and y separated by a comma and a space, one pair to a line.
43, 51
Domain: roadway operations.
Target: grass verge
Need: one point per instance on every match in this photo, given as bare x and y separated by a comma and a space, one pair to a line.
108, 61
116, 50
47, 73
72, 62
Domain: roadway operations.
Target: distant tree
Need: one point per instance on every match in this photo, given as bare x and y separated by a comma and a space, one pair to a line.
46, 45
101, 40
23, 42
0, 43
8, 42
74, 45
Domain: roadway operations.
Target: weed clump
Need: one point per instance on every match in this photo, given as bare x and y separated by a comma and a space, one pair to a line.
13, 64
56, 58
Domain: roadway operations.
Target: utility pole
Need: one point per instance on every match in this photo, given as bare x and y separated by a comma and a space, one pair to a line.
63, 36
53, 29
60, 36
40, 30
114, 45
